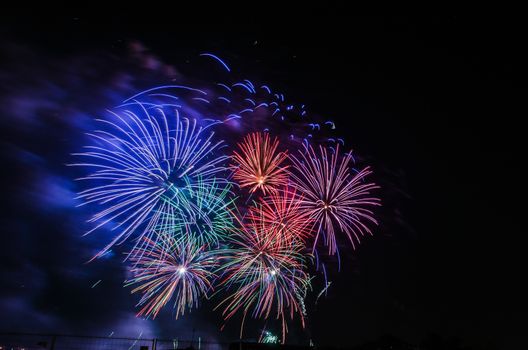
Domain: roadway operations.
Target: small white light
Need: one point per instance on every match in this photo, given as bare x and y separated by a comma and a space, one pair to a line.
182, 270
273, 272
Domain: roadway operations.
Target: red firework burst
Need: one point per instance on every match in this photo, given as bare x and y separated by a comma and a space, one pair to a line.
258, 163
264, 274
282, 214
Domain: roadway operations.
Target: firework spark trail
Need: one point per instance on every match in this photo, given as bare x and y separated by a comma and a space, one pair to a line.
171, 269
263, 273
332, 196
141, 166
258, 164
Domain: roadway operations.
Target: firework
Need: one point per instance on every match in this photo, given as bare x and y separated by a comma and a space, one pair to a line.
281, 212
141, 164
268, 338
171, 269
258, 164
334, 197
163, 182
211, 216
264, 274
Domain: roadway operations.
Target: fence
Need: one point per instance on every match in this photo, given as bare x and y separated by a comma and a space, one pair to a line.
29, 341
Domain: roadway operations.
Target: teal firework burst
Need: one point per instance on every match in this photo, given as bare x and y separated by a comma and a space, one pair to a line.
209, 218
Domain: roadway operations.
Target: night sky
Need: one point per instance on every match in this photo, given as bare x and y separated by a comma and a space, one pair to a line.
433, 104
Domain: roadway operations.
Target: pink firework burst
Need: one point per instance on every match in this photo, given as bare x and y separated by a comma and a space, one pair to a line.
333, 196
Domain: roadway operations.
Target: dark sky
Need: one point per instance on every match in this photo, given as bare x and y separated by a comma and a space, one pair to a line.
434, 104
